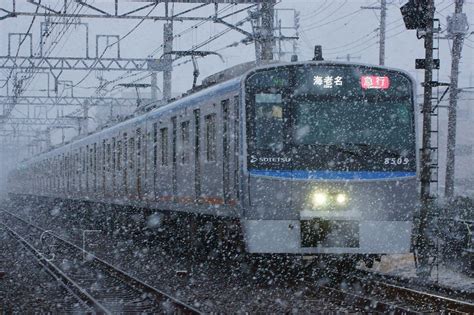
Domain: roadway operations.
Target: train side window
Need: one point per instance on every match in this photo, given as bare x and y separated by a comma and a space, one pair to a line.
104, 146
108, 157
125, 160
139, 148
94, 162
164, 146
82, 161
236, 145
119, 155
155, 143
114, 161
185, 142
131, 150
210, 125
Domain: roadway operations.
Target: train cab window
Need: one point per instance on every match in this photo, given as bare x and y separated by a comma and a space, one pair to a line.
184, 142
210, 125
164, 146
269, 118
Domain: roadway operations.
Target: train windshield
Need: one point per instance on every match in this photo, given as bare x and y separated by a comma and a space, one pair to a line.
341, 117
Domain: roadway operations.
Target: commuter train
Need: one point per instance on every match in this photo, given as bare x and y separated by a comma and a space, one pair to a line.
314, 157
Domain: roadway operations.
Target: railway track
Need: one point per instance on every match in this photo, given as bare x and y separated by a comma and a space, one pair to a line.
361, 291
97, 285
369, 291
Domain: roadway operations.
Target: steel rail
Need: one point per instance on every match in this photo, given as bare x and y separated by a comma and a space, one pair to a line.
179, 306
397, 297
361, 302
70, 285
398, 286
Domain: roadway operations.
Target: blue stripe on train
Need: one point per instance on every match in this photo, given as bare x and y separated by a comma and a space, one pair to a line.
331, 174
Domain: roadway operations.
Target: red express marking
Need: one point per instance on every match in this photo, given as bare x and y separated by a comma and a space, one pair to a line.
374, 82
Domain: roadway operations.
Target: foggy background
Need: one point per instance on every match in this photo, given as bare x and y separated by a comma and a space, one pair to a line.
342, 28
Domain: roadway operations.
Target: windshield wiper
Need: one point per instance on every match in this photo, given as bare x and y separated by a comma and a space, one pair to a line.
375, 148
344, 149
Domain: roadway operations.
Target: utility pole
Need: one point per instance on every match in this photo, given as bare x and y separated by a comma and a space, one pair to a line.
383, 18
456, 31
426, 202
167, 59
267, 38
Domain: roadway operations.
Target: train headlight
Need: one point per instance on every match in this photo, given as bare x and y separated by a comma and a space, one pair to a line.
319, 199
341, 199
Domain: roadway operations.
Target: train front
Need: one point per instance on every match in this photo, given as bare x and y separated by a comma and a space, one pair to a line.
331, 160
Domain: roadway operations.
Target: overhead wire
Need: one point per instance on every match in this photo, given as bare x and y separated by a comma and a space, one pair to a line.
20, 44
321, 22
159, 48
114, 43
187, 30
315, 13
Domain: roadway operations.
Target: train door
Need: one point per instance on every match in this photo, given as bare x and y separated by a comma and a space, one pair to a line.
226, 151
185, 186
197, 154
148, 163
163, 187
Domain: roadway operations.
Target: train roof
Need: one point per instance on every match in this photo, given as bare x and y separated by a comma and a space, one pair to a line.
219, 83
197, 97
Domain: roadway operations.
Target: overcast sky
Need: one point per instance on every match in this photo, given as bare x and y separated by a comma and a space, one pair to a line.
340, 26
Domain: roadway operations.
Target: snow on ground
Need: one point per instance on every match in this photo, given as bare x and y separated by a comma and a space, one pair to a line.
404, 265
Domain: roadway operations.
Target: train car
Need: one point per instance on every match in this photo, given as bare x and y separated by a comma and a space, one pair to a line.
311, 158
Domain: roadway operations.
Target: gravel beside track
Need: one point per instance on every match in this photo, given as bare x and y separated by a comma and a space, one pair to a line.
25, 288
101, 287
216, 285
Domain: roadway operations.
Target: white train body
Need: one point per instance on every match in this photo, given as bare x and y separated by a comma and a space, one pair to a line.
308, 157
